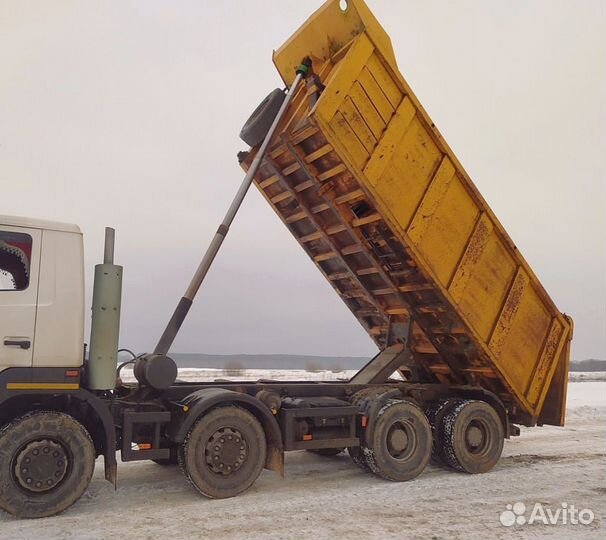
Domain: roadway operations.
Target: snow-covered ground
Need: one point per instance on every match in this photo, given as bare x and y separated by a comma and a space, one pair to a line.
212, 374
331, 498
587, 376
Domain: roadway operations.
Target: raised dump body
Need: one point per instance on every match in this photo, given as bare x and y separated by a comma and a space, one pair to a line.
362, 178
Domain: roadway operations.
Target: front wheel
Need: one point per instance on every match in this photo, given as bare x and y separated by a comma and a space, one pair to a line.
224, 452
47, 460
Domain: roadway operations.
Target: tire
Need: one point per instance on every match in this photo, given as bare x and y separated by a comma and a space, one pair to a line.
44, 447
256, 127
435, 414
240, 457
327, 452
401, 442
472, 436
363, 400
357, 456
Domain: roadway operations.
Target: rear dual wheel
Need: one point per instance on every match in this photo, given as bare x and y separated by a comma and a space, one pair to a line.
400, 445
224, 452
466, 435
435, 413
471, 436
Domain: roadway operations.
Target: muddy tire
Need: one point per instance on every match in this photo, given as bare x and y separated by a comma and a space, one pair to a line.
472, 437
400, 445
357, 456
256, 127
435, 414
363, 399
224, 452
47, 460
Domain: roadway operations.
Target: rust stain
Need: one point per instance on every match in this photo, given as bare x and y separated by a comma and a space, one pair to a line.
545, 362
472, 254
509, 311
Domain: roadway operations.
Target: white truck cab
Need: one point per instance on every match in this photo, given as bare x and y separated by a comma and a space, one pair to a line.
41, 293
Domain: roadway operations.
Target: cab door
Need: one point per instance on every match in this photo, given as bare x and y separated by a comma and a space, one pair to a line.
19, 268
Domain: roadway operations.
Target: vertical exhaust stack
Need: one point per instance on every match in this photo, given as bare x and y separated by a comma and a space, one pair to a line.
105, 324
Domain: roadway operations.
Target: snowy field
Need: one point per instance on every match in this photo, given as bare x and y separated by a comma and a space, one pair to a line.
579, 376
330, 498
213, 374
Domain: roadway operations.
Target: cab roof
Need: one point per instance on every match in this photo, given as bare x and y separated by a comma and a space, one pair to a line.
32, 223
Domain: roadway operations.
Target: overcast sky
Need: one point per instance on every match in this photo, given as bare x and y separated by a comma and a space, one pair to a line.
127, 114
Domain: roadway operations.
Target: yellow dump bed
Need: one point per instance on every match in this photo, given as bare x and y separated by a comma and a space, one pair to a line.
362, 178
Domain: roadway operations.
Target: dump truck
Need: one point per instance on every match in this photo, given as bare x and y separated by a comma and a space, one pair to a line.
470, 344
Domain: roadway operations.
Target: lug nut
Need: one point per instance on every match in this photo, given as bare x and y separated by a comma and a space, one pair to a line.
28, 480
46, 450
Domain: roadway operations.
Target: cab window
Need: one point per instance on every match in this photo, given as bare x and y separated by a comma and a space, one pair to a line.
15, 259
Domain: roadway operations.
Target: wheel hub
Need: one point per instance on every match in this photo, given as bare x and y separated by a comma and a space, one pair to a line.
475, 437
41, 465
401, 440
226, 451
398, 440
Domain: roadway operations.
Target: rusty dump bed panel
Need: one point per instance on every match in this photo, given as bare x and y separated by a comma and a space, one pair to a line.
362, 178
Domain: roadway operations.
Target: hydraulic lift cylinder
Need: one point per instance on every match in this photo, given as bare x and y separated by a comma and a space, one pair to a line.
184, 304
